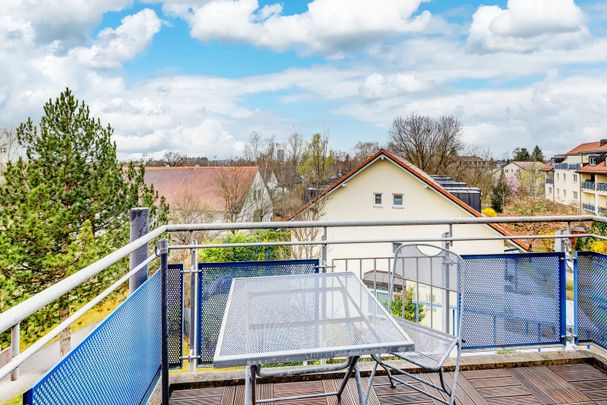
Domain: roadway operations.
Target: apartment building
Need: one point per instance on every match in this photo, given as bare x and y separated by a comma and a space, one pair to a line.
579, 177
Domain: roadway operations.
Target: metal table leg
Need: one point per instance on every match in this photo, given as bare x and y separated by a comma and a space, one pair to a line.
249, 385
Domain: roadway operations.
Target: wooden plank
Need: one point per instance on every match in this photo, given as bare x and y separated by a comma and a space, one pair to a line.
540, 396
490, 373
466, 390
541, 384
493, 382
566, 390
228, 395
518, 400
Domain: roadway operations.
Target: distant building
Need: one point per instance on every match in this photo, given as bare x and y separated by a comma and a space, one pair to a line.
231, 193
525, 176
386, 187
579, 177
581, 173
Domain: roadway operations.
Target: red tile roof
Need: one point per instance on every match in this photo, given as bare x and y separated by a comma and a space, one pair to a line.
420, 174
599, 168
588, 147
548, 167
201, 182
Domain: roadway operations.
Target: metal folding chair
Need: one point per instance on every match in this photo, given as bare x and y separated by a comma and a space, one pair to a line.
429, 283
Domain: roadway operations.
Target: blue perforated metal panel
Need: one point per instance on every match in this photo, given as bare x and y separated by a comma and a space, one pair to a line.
118, 363
175, 314
592, 297
214, 286
514, 299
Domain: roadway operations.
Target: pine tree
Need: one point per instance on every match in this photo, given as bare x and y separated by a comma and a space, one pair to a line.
66, 205
521, 155
537, 155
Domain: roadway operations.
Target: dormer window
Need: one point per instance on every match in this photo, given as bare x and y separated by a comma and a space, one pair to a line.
592, 160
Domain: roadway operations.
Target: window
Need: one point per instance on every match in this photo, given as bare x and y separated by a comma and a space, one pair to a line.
575, 195
564, 193
592, 160
575, 178
564, 177
377, 198
397, 200
558, 192
549, 190
557, 176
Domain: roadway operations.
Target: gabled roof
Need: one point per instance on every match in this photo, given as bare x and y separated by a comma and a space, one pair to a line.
200, 182
529, 165
588, 147
548, 167
419, 174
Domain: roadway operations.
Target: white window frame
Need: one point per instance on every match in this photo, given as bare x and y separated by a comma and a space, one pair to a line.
381, 199
402, 200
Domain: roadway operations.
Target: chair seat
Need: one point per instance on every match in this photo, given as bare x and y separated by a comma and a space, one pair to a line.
432, 347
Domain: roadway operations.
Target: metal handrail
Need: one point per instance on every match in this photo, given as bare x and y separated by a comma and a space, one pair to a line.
16, 314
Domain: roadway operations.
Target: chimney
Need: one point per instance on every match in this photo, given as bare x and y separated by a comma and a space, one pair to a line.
603, 142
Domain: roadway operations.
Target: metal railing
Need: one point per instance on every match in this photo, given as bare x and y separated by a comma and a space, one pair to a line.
567, 166
11, 318
588, 185
602, 187
549, 180
588, 207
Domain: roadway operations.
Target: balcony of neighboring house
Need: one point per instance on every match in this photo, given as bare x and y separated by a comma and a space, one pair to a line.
526, 337
567, 166
588, 186
589, 207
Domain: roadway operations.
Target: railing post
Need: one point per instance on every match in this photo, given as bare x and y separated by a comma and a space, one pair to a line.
139, 218
163, 252
15, 349
323, 251
193, 306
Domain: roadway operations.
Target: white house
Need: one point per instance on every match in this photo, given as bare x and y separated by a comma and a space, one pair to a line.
236, 193
386, 187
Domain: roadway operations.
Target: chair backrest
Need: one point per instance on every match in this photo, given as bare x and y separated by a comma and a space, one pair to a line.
429, 283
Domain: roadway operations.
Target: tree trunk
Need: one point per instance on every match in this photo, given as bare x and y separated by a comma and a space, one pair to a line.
65, 339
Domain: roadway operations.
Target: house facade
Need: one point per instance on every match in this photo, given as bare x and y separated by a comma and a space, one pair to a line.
525, 176
224, 193
385, 187
579, 177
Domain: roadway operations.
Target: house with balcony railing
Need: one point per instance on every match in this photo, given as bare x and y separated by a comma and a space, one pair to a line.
152, 348
579, 177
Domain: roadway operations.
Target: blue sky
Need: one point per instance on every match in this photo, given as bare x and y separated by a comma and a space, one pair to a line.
198, 76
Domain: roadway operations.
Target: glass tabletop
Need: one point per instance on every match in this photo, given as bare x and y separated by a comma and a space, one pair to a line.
304, 317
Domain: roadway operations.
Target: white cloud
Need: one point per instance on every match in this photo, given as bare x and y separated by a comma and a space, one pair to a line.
527, 25
328, 26
68, 21
377, 85
114, 46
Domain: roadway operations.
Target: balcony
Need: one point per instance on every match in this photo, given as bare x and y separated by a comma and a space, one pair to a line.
549, 180
567, 166
514, 323
588, 207
588, 185
601, 187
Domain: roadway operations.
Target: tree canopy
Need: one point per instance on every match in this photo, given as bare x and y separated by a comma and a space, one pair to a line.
65, 205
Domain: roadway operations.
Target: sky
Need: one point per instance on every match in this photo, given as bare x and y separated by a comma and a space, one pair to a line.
199, 76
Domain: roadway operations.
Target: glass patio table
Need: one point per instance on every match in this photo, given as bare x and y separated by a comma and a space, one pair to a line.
302, 318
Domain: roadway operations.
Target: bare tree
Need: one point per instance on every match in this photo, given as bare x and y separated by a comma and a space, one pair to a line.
477, 169
432, 145
173, 158
188, 209
232, 183
317, 160
8, 146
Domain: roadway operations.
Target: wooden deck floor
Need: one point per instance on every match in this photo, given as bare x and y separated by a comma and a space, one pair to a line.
580, 384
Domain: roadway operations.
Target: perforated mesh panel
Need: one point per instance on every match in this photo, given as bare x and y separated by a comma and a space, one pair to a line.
514, 299
116, 364
175, 313
214, 286
592, 297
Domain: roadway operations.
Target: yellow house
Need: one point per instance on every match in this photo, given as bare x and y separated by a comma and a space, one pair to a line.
386, 187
